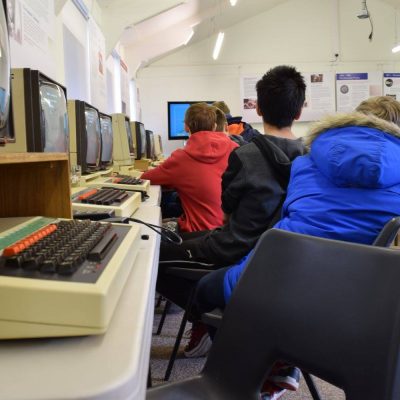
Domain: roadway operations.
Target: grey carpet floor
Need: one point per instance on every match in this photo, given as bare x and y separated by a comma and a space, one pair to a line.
187, 367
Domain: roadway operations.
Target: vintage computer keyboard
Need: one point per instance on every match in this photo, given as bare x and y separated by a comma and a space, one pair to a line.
121, 182
123, 202
62, 277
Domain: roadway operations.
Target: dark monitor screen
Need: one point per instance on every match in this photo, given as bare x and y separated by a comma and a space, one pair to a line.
4, 76
143, 140
54, 118
150, 145
130, 139
106, 139
176, 118
92, 136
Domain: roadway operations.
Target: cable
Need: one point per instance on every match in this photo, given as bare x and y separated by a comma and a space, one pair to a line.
370, 37
165, 233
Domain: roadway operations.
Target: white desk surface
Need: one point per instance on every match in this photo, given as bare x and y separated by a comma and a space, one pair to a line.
154, 194
113, 366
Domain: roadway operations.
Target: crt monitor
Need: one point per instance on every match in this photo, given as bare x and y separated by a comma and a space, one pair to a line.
6, 132
39, 113
130, 137
176, 118
106, 140
123, 147
157, 147
150, 145
85, 144
139, 138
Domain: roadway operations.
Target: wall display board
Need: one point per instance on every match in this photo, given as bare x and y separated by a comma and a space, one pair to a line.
353, 88
248, 98
31, 25
391, 85
125, 106
320, 95
98, 86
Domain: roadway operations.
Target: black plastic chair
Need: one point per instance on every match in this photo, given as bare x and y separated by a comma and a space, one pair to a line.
332, 308
385, 239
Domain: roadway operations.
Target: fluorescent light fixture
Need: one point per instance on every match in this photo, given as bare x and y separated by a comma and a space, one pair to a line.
396, 49
233, 3
189, 37
218, 45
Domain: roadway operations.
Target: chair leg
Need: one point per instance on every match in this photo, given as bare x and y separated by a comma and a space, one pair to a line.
149, 381
159, 300
311, 386
176, 346
164, 314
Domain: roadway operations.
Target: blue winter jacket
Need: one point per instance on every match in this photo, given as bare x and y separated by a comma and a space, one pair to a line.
346, 188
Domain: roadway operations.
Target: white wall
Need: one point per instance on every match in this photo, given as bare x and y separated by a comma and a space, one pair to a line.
297, 32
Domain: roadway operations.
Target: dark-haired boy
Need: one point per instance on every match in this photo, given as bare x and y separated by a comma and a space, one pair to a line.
253, 187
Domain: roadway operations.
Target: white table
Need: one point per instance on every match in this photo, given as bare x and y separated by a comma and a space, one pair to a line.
154, 194
113, 366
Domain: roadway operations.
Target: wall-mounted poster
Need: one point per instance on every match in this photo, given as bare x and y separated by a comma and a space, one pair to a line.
320, 95
391, 85
353, 88
249, 99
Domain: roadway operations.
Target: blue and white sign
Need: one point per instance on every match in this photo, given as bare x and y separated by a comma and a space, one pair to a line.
391, 85
355, 87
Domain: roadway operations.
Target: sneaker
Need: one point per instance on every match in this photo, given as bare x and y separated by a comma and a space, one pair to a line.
200, 343
271, 391
285, 376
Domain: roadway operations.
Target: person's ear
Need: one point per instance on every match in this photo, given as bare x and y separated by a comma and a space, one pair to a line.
258, 110
186, 127
215, 127
297, 117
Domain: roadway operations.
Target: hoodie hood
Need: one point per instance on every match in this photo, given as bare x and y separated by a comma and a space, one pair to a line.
280, 153
357, 150
208, 147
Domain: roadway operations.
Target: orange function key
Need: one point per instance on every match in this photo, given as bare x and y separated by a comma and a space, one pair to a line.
117, 180
87, 194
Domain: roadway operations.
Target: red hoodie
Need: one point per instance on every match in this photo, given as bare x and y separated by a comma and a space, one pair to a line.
195, 173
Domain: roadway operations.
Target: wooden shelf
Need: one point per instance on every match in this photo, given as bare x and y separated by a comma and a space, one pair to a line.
35, 184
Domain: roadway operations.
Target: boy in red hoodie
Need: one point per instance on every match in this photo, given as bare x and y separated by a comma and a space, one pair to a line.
195, 171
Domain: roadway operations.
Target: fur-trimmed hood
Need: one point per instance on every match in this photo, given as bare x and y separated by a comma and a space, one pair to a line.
353, 119
357, 150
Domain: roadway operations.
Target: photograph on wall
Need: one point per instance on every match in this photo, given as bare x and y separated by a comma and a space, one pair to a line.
248, 99
320, 95
353, 88
391, 84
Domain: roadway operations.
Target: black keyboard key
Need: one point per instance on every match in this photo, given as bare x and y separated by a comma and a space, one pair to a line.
101, 249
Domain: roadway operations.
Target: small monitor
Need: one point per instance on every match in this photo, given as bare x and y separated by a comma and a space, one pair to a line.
6, 133
130, 137
39, 113
54, 118
176, 118
157, 147
150, 145
106, 140
123, 144
85, 143
139, 138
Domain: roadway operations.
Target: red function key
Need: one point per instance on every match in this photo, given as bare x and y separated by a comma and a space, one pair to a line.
28, 241
117, 180
87, 194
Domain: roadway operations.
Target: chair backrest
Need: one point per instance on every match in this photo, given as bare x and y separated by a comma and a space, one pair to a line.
331, 308
388, 233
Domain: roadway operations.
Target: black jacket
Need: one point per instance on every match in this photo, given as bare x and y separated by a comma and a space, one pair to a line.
253, 189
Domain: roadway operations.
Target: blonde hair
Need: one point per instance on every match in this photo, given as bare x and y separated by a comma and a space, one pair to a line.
384, 107
221, 120
200, 117
221, 105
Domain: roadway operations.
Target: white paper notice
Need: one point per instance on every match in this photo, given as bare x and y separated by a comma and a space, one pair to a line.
391, 85
249, 99
353, 88
320, 95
